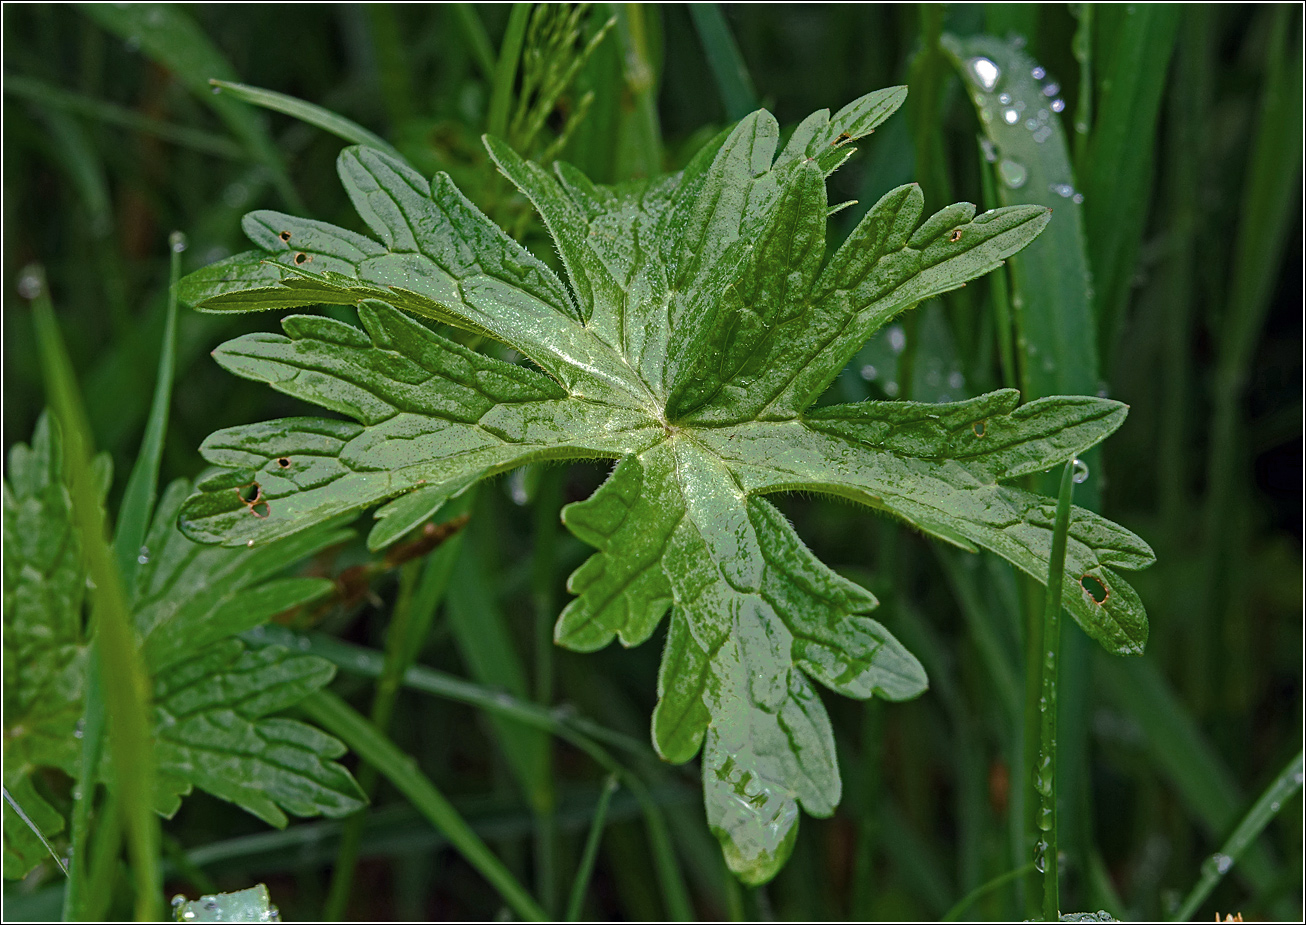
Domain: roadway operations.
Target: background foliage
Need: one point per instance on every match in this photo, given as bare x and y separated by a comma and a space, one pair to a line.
1190, 172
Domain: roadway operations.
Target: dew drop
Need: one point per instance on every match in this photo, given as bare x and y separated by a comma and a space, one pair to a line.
990, 150
30, 283
1031, 124
1042, 134
1079, 473
1004, 99
1064, 190
80, 729
891, 389
1012, 173
144, 556
1222, 862
1058, 105
1038, 73
897, 338
178, 901
985, 72
1052, 89
869, 372
250, 543
956, 380
1010, 116
177, 241
1040, 852
1077, 199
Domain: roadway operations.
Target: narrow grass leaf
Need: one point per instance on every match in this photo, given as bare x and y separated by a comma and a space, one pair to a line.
307, 112
733, 82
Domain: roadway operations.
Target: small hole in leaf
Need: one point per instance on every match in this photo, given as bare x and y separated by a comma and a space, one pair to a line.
302, 258
1094, 589
955, 236
979, 427
250, 494
285, 235
260, 510
284, 462
843, 136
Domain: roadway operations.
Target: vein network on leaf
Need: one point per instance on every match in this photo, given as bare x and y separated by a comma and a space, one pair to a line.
699, 322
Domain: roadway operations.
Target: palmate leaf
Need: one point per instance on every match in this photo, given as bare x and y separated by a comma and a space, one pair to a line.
211, 697
699, 322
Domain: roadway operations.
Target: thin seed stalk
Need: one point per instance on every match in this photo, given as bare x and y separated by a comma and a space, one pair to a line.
1045, 783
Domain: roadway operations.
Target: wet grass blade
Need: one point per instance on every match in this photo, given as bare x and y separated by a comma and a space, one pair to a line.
338, 718
1116, 174
126, 701
1262, 813
137, 508
733, 81
307, 112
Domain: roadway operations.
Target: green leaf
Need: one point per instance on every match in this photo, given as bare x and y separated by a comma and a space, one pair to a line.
700, 321
211, 698
213, 733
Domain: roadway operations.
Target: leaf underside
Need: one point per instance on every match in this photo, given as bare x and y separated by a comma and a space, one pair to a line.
700, 320
211, 697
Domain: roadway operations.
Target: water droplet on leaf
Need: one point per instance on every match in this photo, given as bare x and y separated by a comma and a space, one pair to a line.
177, 241
985, 72
1013, 173
1079, 475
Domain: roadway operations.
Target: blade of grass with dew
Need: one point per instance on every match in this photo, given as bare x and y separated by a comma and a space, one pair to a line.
127, 705
586, 866
1045, 774
137, 508
36, 830
1081, 46
1281, 789
307, 112
341, 720
733, 82
170, 36
409, 624
1056, 354
1116, 173
45, 94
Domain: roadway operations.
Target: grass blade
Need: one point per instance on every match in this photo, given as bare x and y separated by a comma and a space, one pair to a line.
505, 70
341, 720
1117, 170
591, 850
44, 94
307, 112
477, 40
728, 68
126, 700
137, 508
1284, 787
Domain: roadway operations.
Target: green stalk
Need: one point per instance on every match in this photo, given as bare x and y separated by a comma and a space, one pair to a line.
734, 85
77, 900
505, 70
478, 42
1284, 787
983, 890
586, 866
138, 498
341, 720
1045, 778
127, 696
